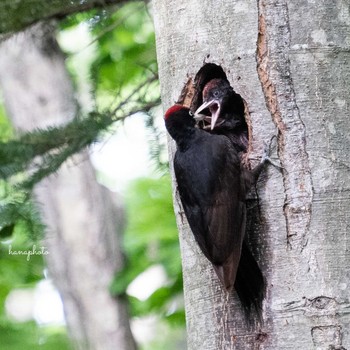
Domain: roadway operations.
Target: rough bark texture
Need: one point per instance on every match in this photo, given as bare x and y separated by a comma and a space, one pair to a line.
16, 15
83, 223
290, 62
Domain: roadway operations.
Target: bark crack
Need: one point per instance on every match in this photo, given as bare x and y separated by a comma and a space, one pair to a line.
274, 71
330, 335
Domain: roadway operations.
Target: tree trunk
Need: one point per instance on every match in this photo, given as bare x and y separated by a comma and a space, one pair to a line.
290, 62
83, 224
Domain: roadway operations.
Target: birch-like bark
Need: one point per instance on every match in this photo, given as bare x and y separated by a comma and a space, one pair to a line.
83, 223
291, 62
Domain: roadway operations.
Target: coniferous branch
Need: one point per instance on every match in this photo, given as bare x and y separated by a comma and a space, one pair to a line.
41, 152
34, 155
16, 209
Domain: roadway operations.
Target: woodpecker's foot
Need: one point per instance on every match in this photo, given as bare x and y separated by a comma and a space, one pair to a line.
267, 150
267, 153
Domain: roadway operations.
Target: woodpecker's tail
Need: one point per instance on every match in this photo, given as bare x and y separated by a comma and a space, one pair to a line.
249, 283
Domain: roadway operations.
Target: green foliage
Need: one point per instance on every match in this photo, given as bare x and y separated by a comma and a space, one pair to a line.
20, 215
124, 44
125, 55
55, 144
17, 212
126, 47
19, 271
5, 126
151, 238
29, 336
34, 155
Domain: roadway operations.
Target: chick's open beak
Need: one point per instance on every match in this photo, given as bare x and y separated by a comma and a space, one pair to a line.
214, 108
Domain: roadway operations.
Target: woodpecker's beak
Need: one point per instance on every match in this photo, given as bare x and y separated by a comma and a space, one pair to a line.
214, 108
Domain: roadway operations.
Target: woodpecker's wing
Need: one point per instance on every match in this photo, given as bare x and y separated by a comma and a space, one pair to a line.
213, 197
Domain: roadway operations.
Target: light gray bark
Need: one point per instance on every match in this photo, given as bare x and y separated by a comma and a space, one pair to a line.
291, 62
83, 223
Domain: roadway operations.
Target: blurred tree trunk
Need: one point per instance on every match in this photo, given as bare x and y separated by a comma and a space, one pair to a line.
83, 223
291, 62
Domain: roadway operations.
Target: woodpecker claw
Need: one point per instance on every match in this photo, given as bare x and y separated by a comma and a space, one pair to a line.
267, 152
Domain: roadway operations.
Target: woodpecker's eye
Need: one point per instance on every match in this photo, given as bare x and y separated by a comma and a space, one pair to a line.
191, 113
216, 93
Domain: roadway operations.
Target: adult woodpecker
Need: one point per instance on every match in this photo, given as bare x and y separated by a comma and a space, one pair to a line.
213, 185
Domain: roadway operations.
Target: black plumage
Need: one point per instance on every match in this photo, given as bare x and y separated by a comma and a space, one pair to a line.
221, 111
213, 185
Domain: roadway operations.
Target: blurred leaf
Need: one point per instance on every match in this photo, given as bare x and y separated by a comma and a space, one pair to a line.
19, 213
177, 318
126, 48
7, 231
152, 230
6, 131
151, 238
29, 336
